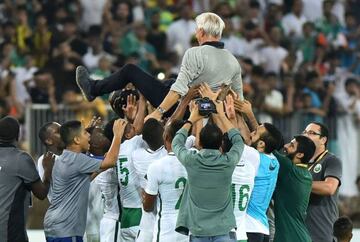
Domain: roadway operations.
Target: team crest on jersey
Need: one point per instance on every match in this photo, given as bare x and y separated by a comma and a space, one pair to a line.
317, 168
241, 163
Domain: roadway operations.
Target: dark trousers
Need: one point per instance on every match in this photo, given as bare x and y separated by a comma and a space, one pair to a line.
257, 237
153, 89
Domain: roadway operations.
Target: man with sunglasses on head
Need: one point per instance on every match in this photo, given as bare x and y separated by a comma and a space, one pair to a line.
326, 170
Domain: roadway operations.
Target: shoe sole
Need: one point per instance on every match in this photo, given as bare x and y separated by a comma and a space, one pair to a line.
79, 84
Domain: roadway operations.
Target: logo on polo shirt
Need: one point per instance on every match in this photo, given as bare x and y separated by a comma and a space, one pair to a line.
317, 168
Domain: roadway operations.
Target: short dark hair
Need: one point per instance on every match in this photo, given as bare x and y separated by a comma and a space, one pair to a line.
211, 136
270, 74
152, 133
342, 228
43, 132
306, 146
254, 4
69, 130
118, 99
324, 131
258, 71
310, 76
108, 129
350, 81
173, 127
249, 25
272, 137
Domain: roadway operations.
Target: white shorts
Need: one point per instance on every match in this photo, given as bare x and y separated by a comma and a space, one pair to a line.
147, 225
109, 230
129, 234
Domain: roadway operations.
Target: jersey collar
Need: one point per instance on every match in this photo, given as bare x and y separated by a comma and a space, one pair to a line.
216, 44
153, 151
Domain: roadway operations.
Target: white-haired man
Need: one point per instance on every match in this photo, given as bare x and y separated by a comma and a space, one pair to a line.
209, 63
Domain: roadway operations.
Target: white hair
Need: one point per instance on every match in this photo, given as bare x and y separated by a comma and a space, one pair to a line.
210, 23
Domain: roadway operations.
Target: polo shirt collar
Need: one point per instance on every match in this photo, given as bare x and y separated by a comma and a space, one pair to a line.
216, 44
210, 152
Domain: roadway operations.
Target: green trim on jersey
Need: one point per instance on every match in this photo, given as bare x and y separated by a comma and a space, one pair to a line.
130, 217
242, 240
159, 221
116, 231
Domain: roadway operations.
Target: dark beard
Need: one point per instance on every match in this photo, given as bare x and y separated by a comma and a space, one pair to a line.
254, 144
291, 155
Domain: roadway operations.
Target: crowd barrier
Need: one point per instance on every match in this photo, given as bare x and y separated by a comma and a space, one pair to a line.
39, 114
36, 116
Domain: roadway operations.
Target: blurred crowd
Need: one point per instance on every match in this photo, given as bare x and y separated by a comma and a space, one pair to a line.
300, 59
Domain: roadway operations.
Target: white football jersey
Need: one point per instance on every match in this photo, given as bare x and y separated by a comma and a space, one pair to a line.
166, 178
129, 187
108, 183
242, 186
142, 158
40, 167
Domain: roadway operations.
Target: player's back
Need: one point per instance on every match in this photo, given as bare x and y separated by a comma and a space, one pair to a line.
242, 187
142, 158
129, 192
167, 177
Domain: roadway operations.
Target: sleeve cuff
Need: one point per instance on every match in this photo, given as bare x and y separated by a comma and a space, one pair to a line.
232, 132
179, 90
152, 193
183, 132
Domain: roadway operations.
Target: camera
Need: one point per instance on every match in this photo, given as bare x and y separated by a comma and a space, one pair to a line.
206, 106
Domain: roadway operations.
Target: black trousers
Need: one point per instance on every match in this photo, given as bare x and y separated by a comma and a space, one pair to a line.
153, 89
257, 237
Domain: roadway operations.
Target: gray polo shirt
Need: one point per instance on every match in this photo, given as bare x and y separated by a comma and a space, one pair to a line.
211, 64
66, 216
17, 172
322, 211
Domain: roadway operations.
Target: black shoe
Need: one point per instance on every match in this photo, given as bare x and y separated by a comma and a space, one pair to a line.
83, 81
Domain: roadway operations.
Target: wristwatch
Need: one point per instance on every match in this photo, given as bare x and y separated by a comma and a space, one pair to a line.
161, 110
188, 122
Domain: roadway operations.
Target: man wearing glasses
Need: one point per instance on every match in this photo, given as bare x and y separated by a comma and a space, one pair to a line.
326, 170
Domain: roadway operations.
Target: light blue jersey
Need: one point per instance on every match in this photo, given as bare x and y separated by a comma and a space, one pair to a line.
265, 182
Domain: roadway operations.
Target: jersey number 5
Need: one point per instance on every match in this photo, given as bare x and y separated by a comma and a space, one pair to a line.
181, 180
124, 172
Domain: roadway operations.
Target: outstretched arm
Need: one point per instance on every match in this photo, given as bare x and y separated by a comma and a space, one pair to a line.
41, 188
245, 108
181, 109
140, 115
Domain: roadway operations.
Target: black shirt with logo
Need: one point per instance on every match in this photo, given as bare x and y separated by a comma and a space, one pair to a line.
322, 211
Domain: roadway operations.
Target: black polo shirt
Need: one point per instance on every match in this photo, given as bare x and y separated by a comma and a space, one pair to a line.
17, 173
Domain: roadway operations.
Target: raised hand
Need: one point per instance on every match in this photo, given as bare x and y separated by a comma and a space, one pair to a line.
48, 161
119, 127
229, 107
192, 93
130, 109
95, 121
194, 113
205, 91
243, 107
219, 109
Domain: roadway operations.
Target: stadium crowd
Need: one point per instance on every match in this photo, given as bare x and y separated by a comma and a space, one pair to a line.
300, 66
